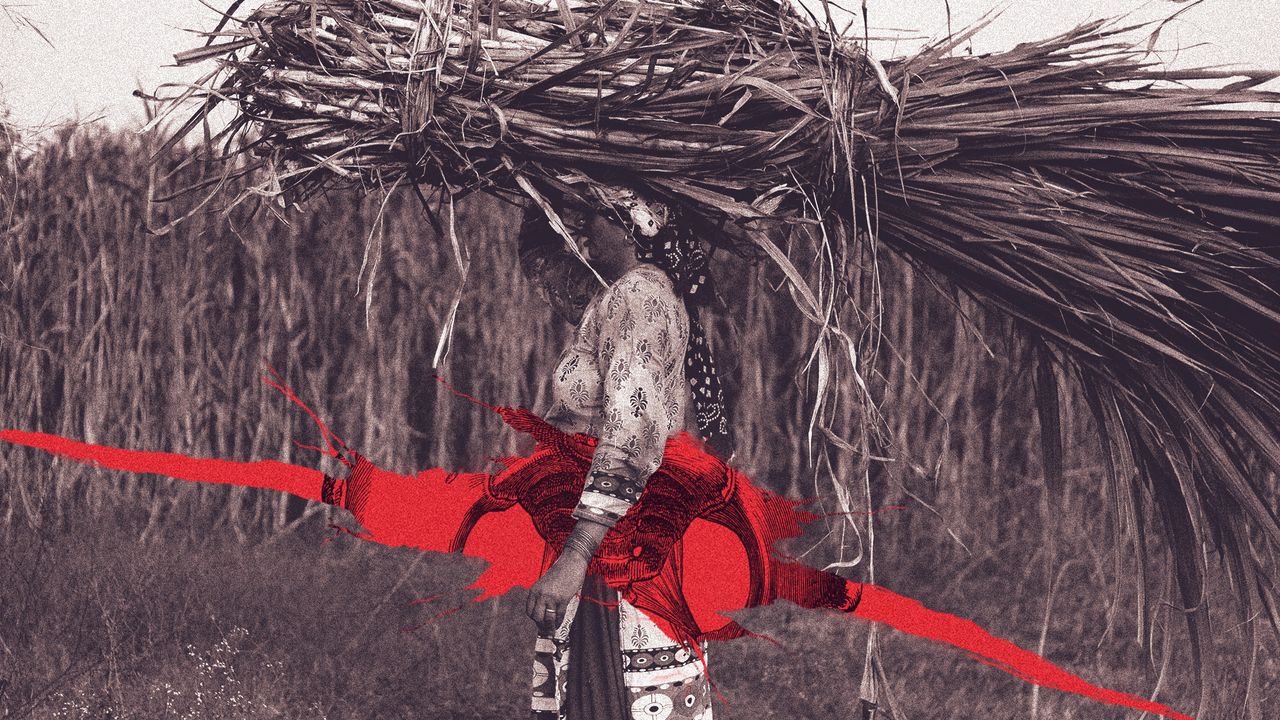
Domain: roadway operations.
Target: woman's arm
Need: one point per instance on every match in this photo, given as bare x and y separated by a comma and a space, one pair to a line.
549, 597
643, 337
642, 343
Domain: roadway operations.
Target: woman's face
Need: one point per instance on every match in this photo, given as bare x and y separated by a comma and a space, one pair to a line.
608, 246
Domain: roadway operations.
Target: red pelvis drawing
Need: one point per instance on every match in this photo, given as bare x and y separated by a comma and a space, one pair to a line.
510, 518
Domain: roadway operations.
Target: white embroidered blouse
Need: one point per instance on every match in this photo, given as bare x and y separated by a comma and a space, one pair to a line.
622, 380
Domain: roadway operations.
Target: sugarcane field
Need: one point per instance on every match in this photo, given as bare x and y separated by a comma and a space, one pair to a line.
749, 359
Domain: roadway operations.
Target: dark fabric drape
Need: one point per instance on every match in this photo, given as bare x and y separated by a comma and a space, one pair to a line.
595, 688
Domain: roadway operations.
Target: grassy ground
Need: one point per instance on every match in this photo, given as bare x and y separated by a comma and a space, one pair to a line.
314, 624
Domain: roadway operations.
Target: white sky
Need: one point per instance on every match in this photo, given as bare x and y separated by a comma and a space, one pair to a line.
102, 51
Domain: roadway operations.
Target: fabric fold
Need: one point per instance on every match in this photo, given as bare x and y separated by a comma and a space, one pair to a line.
595, 689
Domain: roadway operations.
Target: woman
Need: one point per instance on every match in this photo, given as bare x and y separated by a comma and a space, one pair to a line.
623, 380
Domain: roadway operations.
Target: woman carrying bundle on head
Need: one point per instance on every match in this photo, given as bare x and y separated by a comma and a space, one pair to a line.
626, 379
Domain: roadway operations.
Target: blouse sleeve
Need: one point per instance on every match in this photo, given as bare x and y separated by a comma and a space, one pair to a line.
643, 336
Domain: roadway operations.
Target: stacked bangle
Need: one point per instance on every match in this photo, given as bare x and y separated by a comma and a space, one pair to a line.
580, 546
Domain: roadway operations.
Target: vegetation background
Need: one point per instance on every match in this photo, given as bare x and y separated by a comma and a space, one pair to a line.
126, 596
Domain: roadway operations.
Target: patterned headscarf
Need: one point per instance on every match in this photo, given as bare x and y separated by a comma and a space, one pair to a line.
662, 240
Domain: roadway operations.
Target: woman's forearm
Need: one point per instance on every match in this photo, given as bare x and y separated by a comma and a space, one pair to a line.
584, 539
548, 600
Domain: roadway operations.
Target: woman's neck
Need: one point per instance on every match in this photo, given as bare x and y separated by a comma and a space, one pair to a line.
616, 270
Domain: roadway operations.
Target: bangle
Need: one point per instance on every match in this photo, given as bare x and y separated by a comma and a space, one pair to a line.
580, 546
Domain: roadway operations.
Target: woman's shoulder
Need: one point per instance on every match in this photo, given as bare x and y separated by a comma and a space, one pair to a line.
645, 279
644, 290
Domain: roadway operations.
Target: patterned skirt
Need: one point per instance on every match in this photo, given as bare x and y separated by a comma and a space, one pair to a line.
609, 661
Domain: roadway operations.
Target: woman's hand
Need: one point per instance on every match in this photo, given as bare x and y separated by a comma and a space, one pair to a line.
549, 597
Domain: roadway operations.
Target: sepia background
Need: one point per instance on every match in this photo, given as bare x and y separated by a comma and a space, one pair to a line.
128, 596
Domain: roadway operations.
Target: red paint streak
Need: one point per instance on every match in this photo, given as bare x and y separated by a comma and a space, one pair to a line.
422, 512
334, 446
910, 616
503, 518
715, 580
434, 618
267, 474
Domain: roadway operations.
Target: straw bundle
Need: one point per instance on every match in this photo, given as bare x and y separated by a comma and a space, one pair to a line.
717, 106
1123, 213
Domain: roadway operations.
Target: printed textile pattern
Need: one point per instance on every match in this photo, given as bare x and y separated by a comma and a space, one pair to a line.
660, 238
622, 380
664, 679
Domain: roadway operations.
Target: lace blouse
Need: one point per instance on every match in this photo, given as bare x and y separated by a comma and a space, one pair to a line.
622, 380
